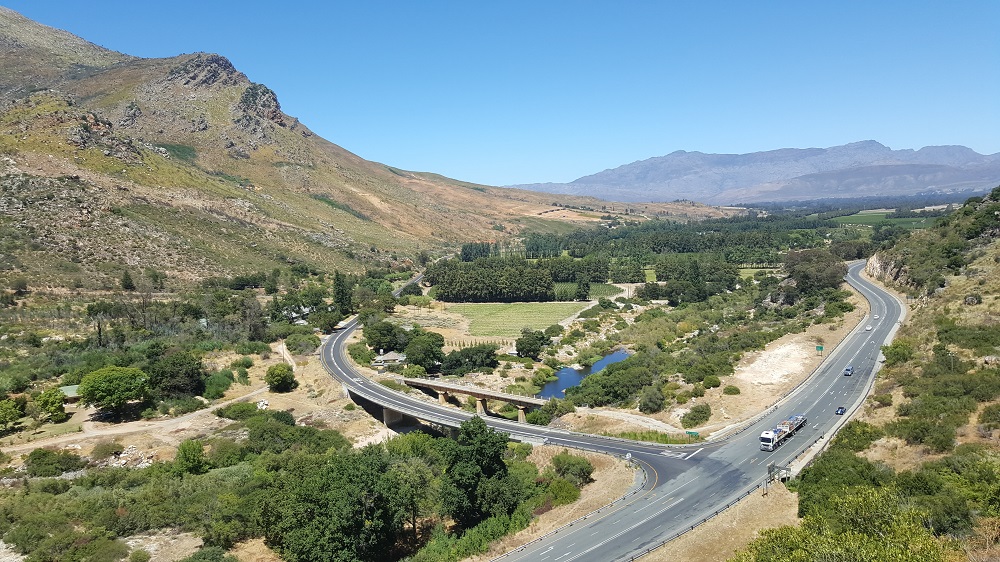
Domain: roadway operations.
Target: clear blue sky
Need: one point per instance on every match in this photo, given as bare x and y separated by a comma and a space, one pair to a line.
537, 91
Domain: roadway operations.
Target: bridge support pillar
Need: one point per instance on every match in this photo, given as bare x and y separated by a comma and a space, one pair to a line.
480, 406
390, 417
520, 415
442, 397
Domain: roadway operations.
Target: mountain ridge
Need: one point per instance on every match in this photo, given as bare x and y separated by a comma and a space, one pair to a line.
196, 167
790, 174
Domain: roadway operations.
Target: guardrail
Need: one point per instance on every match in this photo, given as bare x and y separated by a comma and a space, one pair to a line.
635, 490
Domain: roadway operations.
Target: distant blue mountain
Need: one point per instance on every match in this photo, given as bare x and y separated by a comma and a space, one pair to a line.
857, 169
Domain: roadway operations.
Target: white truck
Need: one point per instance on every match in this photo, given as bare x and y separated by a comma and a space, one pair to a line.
770, 439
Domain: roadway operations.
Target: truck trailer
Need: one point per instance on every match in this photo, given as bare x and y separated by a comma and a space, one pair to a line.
770, 439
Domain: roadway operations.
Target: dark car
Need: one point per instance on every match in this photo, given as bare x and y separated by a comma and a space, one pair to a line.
841, 411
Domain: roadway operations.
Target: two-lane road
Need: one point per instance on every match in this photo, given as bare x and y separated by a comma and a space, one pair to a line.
685, 485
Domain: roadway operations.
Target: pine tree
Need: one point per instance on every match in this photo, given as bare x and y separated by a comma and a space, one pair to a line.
127, 283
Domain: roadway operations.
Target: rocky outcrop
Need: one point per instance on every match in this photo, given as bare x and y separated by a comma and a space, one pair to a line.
261, 101
95, 131
206, 69
132, 114
882, 267
257, 113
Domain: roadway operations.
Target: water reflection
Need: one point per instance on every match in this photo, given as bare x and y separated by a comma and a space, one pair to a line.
569, 376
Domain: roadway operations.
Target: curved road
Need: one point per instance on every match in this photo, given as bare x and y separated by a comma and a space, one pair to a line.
683, 485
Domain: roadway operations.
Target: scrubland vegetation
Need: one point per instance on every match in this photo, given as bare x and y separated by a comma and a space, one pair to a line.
943, 384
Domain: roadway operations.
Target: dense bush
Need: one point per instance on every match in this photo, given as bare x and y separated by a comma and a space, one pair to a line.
551, 410
731, 390
252, 348
651, 399
218, 383
43, 462
361, 353
302, 344
574, 468
697, 415
245, 362
280, 378
990, 416
238, 411
857, 435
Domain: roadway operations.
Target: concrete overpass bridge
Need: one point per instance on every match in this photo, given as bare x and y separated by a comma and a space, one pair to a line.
446, 389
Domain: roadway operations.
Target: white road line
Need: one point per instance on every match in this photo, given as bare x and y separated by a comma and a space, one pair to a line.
643, 522
693, 454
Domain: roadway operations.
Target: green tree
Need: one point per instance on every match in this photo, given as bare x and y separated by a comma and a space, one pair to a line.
9, 413
469, 359
191, 458
582, 287
574, 468
475, 457
20, 286
352, 514
385, 336
815, 270
301, 344
342, 293
425, 350
899, 351
280, 378
412, 480
177, 374
46, 463
126, 282
531, 342
326, 321
52, 404
868, 525
113, 388
651, 399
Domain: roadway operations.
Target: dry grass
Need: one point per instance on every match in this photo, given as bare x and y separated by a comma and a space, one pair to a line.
721, 537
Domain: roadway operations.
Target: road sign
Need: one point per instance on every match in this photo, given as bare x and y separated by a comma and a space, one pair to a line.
819, 349
628, 456
692, 433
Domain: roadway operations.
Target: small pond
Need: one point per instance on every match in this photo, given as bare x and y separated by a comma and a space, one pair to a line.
568, 376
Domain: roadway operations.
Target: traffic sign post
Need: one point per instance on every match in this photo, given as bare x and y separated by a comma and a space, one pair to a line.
819, 349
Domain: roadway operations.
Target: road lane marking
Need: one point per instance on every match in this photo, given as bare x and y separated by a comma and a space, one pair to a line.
609, 539
694, 453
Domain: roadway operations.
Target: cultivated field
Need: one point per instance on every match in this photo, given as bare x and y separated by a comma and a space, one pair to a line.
597, 290
506, 320
872, 218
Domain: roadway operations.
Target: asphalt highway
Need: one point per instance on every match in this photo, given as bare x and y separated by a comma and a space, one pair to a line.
679, 486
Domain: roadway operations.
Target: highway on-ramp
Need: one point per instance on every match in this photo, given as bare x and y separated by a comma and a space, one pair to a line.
679, 486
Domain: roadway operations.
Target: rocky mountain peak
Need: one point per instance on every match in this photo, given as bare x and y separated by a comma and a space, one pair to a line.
206, 69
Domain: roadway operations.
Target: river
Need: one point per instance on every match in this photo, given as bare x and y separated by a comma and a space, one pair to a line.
568, 376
